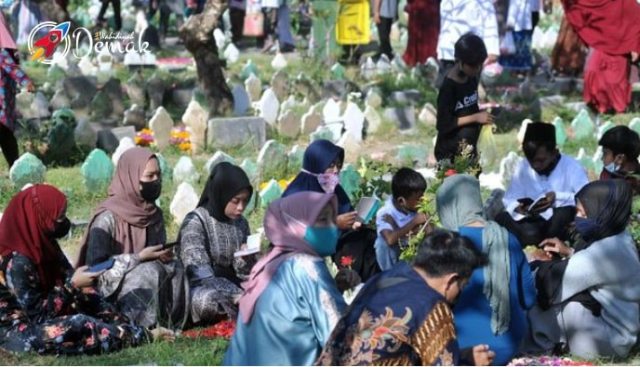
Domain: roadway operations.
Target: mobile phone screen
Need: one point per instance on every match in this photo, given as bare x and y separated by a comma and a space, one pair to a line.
105, 265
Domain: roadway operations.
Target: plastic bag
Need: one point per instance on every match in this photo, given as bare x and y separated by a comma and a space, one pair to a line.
487, 147
508, 44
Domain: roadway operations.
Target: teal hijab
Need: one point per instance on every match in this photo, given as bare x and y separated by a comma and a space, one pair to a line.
459, 204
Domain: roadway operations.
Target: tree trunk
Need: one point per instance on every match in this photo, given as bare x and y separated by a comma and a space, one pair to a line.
197, 35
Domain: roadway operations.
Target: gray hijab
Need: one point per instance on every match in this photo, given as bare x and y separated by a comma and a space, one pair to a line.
459, 203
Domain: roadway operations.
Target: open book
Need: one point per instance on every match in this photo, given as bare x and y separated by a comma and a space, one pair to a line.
531, 205
367, 208
253, 246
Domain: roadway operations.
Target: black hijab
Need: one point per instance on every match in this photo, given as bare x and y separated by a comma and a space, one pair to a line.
225, 182
608, 208
607, 205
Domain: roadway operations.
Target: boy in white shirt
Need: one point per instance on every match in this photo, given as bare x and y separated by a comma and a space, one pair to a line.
547, 179
398, 217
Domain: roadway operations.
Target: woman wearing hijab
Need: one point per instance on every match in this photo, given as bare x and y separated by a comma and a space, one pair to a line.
209, 237
291, 303
144, 282
45, 306
588, 295
320, 172
492, 307
11, 77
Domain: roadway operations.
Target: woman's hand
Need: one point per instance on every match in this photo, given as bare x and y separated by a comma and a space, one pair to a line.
554, 245
482, 355
161, 333
346, 221
152, 253
82, 278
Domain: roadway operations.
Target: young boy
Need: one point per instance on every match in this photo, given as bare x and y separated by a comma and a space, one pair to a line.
621, 148
459, 117
398, 217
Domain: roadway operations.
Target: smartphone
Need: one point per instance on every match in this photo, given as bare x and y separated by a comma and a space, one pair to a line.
105, 265
525, 201
169, 245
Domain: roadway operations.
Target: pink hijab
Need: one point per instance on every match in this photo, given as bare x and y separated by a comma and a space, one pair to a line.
6, 40
285, 224
131, 212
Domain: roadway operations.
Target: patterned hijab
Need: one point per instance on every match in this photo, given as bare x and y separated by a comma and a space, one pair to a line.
26, 228
285, 224
459, 204
131, 212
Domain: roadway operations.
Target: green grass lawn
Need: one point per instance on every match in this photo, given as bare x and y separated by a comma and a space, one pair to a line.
184, 351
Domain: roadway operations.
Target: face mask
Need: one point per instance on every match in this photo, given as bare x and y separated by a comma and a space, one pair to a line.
62, 228
151, 190
328, 182
612, 167
322, 239
586, 227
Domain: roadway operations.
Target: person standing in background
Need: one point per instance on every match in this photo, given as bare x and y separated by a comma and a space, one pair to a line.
116, 13
11, 76
458, 17
385, 12
522, 18
424, 27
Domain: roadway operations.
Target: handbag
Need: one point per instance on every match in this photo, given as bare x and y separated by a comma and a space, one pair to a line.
253, 24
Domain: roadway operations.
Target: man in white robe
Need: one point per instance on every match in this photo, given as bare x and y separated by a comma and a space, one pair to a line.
540, 201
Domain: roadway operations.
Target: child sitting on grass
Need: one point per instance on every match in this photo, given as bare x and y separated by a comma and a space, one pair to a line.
398, 217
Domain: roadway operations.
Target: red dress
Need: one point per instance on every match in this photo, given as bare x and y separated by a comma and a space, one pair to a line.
424, 28
612, 29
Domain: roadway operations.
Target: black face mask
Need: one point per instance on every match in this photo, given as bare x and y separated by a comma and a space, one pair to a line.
151, 190
62, 228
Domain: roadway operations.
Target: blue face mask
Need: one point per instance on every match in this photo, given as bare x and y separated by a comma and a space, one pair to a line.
586, 227
322, 239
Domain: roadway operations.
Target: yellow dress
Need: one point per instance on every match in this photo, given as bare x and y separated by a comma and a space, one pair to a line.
353, 26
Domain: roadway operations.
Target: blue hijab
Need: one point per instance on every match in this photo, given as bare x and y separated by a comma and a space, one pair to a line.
317, 158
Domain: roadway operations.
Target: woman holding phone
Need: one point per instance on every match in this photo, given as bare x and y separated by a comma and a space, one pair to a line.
46, 306
144, 281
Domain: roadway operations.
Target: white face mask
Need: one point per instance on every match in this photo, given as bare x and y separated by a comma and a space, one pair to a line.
612, 167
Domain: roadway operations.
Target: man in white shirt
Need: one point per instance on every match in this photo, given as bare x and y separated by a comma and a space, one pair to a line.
540, 201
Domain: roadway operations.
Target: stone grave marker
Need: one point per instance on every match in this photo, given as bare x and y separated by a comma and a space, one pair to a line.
161, 125
195, 119
331, 111
272, 160
288, 124
184, 201
582, 125
269, 106
279, 62
350, 180
508, 167
97, 171
185, 171
237, 132
253, 86
354, 121
561, 131
165, 168
241, 101
251, 169
126, 143
373, 119
27, 169
135, 116
270, 193
294, 159
311, 120
218, 157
